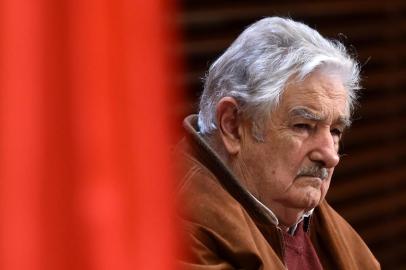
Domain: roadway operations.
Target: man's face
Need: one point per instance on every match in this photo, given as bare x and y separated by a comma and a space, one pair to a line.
292, 169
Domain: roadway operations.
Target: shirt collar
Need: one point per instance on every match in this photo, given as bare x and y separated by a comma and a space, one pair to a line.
306, 216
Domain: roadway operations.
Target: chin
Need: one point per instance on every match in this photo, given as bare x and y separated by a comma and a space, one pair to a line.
312, 199
303, 204
304, 199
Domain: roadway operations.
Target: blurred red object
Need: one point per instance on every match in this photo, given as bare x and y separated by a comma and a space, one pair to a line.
84, 132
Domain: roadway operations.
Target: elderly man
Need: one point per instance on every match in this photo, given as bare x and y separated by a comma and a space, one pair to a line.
258, 159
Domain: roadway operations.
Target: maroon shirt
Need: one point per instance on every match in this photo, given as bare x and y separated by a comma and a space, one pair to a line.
299, 251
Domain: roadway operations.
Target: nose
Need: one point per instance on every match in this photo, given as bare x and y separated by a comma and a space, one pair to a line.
324, 149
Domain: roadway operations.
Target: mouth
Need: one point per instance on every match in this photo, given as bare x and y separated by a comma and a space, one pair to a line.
310, 180
319, 176
312, 177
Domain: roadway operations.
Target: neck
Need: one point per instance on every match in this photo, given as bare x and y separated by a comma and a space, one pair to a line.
287, 216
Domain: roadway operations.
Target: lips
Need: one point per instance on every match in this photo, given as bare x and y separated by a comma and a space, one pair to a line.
305, 181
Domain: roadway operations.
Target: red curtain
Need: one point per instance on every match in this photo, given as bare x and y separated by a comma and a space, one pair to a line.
85, 96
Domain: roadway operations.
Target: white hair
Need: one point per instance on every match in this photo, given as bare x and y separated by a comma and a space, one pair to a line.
256, 68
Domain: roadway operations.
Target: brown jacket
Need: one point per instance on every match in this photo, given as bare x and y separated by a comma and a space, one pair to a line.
226, 228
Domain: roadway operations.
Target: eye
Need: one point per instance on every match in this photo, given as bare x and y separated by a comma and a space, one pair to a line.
302, 127
337, 132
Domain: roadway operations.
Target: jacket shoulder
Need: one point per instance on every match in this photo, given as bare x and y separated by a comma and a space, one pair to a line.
219, 232
336, 241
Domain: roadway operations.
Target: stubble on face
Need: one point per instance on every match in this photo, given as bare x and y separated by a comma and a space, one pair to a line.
291, 170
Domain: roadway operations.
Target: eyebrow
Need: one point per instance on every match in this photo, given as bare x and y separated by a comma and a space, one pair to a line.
309, 115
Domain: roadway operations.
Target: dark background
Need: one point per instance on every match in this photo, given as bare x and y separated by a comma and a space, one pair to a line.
369, 185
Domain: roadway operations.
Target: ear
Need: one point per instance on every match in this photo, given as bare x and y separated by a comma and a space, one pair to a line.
229, 124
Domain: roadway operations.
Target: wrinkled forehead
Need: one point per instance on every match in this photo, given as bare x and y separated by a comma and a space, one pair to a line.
324, 95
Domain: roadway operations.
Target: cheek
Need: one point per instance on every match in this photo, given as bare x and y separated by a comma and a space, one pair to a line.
283, 158
325, 186
291, 156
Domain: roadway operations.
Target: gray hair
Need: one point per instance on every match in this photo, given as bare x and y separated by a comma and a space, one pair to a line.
256, 68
